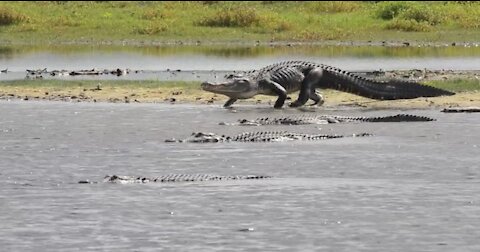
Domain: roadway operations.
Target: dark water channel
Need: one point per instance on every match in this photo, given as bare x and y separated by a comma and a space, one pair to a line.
411, 187
198, 62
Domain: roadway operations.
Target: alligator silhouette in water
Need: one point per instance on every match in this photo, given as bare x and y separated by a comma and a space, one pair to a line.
287, 77
325, 119
261, 136
173, 178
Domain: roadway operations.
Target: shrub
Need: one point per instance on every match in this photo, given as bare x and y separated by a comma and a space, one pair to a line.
271, 22
152, 29
156, 14
389, 10
420, 14
64, 21
408, 25
150, 14
470, 22
232, 17
332, 34
334, 6
465, 16
408, 16
283, 26
8, 17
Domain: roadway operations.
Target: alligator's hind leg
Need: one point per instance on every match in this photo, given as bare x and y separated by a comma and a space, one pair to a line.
307, 90
316, 97
229, 102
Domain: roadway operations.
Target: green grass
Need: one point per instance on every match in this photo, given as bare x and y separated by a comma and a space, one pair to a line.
218, 21
457, 85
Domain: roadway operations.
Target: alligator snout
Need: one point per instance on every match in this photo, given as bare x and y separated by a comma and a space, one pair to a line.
214, 87
205, 85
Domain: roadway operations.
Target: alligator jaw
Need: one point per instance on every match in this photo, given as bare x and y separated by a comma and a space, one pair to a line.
232, 89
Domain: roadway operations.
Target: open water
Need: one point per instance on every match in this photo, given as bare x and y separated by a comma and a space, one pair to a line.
201, 63
411, 187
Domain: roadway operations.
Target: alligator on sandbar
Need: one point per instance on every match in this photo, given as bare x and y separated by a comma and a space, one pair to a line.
287, 77
326, 119
174, 178
262, 136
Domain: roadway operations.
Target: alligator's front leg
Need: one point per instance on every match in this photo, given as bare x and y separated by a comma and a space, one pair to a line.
307, 89
229, 102
279, 90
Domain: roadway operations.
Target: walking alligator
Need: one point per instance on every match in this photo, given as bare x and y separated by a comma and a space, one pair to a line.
262, 136
173, 178
326, 119
287, 77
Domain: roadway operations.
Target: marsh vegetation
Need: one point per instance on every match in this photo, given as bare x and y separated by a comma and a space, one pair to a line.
47, 22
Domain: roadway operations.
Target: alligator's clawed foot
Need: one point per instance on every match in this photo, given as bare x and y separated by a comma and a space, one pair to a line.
295, 105
317, 104
278, 105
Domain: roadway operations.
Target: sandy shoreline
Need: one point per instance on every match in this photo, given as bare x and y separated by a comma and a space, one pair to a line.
114, 92
177, 95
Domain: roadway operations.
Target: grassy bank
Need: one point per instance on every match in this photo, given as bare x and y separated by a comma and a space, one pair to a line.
207, 21
190, 92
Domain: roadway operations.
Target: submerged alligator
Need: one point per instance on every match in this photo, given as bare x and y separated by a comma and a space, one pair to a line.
461, 110
326, 119
262, 136
287, 77
173, 178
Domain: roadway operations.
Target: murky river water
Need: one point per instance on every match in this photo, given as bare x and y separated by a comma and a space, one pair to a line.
411, 187
198, 61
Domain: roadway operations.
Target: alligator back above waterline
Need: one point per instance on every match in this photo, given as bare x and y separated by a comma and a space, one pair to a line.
326, 119
260, 136
174, 178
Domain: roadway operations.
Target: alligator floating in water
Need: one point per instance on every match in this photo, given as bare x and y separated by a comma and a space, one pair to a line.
173, 178
287, 77
461, 110
325, 119
262, 136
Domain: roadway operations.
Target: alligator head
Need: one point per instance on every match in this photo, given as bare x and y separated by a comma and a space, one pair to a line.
201, 137
235, 87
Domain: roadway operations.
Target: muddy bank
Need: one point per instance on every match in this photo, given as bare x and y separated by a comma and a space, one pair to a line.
175, 95
180, 74
182, 94
198, 42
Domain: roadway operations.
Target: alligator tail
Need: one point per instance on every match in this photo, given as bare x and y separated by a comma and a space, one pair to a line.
379, 90
399, 118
